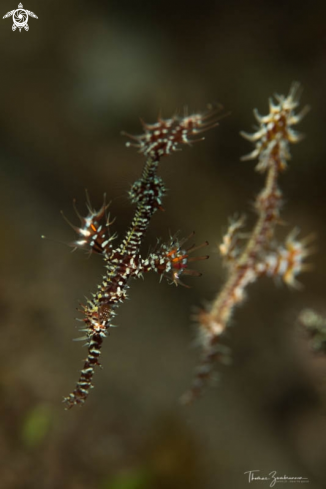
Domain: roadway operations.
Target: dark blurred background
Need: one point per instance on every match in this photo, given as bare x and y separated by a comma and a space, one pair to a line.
84, 72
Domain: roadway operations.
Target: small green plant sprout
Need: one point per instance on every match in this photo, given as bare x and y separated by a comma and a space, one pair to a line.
315, 325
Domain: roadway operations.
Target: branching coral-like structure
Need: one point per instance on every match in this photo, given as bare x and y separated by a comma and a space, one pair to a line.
124, 261
261, 255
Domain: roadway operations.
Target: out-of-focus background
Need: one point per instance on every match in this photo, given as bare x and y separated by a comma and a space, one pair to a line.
84, 72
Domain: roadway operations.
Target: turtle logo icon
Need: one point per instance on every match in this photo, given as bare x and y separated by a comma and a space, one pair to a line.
20, 18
